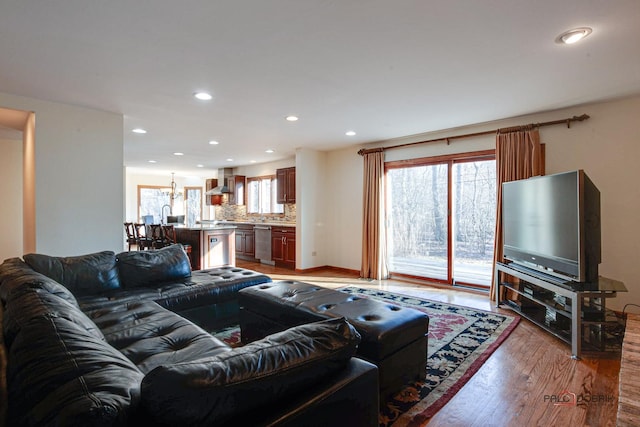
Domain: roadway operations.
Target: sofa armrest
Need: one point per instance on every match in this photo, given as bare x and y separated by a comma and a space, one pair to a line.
214, 390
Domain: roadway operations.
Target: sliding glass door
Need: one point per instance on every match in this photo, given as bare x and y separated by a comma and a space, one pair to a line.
441, 218
417, 221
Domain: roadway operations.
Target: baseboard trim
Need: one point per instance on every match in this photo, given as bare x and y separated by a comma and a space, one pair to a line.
345, 271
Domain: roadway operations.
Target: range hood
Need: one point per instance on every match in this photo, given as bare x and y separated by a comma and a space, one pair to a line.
223, 176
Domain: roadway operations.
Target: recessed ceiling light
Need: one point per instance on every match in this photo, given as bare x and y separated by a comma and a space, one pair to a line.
213, 142
350, 133
203, 96
152, 161
229, 160
292, 118
199, 166
178, 154
252, 161
139, 130
573, 36
269, 151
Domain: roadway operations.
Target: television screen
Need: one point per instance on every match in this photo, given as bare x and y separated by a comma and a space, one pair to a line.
552, 223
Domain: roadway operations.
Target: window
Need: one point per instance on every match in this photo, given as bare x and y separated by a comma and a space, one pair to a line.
261, 195
151, 201
441, 218
193, 196
155, 201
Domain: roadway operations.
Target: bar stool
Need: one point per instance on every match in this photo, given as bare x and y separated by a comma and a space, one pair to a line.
131, 234
169, 234
142, 240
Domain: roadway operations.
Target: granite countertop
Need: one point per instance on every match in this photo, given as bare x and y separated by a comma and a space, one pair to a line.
268, 223
211, 226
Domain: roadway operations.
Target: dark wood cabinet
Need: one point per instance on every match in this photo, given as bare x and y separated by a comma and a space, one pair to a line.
283, 246
245, 242
236, 186
286, 186
215, 199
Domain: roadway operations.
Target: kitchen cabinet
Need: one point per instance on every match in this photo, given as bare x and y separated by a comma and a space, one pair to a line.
236, 184
283, 246
286, 186
215, 199
245, 242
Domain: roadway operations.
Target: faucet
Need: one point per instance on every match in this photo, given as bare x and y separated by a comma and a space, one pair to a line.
162, 213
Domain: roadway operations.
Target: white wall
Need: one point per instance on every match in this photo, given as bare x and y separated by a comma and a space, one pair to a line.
79, 176
311, 207
606, 146
343, 206
11, 190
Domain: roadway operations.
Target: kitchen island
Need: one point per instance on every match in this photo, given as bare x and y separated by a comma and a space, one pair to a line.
212, 245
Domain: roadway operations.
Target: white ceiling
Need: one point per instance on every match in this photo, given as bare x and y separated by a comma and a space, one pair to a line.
382, 68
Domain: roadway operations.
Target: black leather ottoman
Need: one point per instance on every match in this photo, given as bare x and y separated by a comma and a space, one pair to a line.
393, 337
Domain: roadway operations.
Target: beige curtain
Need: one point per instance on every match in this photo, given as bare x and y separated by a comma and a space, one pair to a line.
518, 156
374, 244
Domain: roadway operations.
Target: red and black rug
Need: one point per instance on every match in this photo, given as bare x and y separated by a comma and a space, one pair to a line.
460, 341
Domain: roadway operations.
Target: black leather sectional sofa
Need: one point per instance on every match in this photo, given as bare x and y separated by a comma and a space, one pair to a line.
105, 339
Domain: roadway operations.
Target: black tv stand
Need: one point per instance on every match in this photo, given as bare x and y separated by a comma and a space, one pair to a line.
574, 312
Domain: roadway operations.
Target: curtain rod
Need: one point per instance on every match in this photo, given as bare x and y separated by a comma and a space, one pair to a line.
448, 139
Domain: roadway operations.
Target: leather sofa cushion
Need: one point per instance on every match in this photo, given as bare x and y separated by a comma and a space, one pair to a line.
82, 275
150, 335
30, 303
16, 274
60, 374
202, 288
150, 267
210, 390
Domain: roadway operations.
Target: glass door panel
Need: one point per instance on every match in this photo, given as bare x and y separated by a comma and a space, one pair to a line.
473, 222
417, 221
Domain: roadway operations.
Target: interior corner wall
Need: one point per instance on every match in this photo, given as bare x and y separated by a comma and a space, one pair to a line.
311, 207
605, 146
344, 208
79, 180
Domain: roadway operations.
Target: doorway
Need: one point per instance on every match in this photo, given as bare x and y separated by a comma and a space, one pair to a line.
17, 182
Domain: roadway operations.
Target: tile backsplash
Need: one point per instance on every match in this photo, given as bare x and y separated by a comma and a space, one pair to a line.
239, 213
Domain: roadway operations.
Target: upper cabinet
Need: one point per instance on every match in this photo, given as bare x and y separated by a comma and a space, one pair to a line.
286, 190
236, 184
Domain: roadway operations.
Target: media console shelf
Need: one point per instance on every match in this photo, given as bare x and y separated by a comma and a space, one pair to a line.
574, 312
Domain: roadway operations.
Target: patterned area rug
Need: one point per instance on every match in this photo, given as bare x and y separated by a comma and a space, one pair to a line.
460, 341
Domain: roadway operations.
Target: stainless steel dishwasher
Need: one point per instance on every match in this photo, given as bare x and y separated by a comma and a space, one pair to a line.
263, 243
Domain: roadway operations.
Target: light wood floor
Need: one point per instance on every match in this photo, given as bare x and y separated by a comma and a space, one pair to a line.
515, 385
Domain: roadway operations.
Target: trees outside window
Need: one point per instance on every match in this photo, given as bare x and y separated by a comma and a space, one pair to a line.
157, 201
441, 218
261, 195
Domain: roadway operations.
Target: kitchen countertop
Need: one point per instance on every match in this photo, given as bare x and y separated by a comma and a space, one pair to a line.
198, 227
268, 223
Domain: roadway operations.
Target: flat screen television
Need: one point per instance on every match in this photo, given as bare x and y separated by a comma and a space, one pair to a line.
552, 223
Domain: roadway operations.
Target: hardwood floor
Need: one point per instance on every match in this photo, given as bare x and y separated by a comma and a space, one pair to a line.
518, 382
